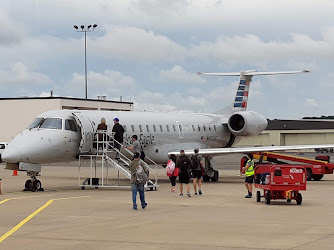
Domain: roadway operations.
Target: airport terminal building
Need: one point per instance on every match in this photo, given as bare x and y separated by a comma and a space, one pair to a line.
18, 113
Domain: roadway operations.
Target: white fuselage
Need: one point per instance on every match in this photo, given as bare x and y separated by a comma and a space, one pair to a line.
158, 133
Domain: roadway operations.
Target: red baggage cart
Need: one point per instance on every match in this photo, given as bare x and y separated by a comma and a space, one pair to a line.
280, 182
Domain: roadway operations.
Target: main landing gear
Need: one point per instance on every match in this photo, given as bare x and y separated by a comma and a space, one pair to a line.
210, 173
33, 184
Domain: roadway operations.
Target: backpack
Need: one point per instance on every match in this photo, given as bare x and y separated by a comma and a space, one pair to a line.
170, 167
194, 162
141, 176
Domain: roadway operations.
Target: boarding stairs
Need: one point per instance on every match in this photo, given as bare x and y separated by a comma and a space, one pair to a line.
105, 154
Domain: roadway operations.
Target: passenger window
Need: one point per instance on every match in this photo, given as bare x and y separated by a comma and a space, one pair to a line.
167, 128
154, 128
70, 125
140, 129
124, 126
174, 128
35, 123
209, 128
199, 128
160, 128
214, 127
147, 128
187, 127
204, 127
193, 127
180, 127
133, 128
52, 123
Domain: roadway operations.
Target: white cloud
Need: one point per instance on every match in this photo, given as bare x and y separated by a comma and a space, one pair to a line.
311, 103
251, 49
10, 33
138, 45
179, 75
109, 83
20, 74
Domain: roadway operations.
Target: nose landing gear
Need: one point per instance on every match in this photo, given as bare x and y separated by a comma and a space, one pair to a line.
33, 184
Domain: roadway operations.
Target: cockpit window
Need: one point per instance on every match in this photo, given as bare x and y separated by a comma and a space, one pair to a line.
53, 123
35, 123
70, 125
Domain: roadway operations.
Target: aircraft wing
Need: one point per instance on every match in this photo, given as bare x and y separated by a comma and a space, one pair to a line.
222, 151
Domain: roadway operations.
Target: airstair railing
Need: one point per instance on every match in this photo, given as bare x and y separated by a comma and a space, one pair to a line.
104, 148
154, 170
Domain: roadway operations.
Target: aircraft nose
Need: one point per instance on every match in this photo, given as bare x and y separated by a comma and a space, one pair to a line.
11, 154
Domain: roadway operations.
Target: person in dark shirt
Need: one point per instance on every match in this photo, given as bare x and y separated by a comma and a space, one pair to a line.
118, 136
183, 163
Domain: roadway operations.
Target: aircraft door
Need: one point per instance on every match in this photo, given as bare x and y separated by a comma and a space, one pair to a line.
180, 128
87, 132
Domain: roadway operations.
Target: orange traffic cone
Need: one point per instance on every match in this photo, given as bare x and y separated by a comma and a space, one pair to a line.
14, 173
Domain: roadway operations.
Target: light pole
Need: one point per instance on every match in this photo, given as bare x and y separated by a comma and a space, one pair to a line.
85, 29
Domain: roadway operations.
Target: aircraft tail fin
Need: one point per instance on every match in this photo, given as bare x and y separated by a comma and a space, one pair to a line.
241, 96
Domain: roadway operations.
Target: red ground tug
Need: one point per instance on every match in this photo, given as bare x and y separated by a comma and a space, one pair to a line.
280, 182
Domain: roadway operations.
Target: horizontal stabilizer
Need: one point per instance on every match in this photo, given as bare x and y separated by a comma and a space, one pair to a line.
253, 73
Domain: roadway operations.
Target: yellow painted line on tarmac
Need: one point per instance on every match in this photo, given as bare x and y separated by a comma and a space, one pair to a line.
18, 226
4, 201
19, 198
68, 198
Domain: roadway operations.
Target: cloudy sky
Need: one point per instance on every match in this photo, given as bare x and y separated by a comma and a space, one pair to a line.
148, 52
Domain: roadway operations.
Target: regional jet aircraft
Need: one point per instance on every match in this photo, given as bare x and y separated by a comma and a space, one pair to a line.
62, 135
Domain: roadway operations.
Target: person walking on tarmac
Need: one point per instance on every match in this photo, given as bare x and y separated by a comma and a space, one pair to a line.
249, 171
183, 164
197, 166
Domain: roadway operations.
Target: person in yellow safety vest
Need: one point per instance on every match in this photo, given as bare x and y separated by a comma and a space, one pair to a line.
249, 171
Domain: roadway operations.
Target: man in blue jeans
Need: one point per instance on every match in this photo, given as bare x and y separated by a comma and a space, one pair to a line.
135, 186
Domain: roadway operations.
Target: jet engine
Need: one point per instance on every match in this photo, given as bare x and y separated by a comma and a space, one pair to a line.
247, 123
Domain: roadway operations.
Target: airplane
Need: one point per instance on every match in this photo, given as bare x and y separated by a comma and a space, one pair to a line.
63, 135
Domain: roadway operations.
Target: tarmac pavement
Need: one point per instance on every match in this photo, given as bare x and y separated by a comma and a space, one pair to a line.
221, 218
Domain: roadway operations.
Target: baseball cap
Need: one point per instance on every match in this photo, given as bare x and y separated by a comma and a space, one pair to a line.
116, 119
136, 155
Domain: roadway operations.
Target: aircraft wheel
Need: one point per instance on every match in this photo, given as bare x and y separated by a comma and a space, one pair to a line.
28, 185
37, 185
258, 196
309, 174
83, 188
288, 200
215, 176
206, 178
317, 177
299, 199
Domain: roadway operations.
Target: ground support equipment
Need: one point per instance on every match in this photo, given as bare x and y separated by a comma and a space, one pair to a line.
316, 168
280, 182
